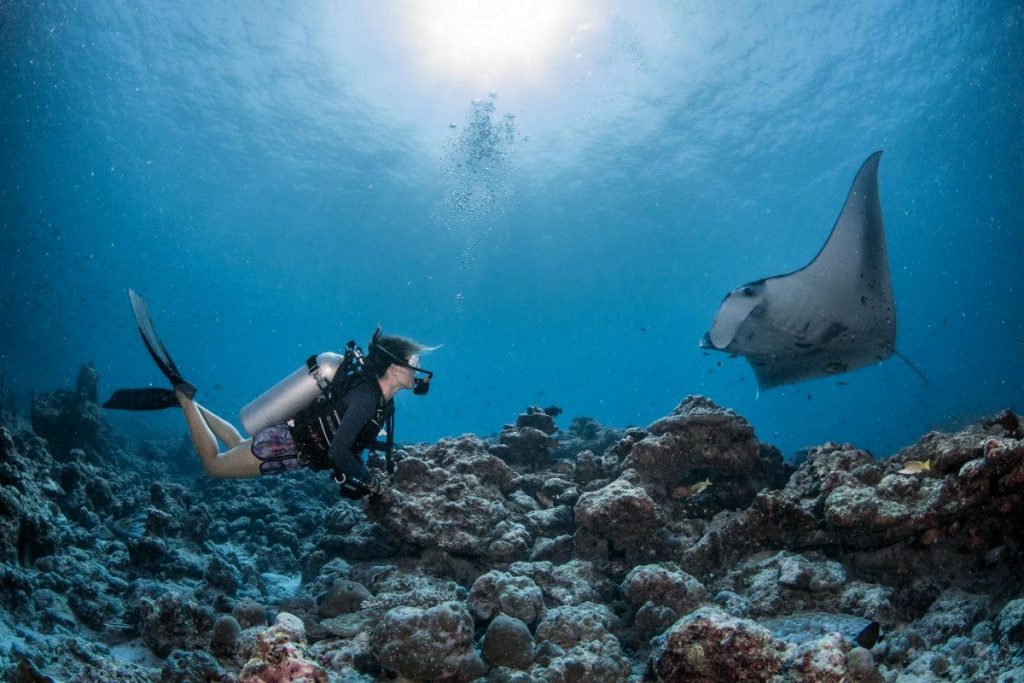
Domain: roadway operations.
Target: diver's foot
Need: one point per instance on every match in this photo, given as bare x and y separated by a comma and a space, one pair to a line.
185, 389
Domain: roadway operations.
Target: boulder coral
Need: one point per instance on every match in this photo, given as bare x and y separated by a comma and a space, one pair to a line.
435, 643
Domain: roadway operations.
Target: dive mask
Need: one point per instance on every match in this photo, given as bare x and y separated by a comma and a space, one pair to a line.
420, 385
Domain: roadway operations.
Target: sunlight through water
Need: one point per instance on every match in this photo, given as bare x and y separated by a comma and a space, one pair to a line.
482, 43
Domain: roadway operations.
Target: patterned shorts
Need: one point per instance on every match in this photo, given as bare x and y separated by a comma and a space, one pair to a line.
276, 449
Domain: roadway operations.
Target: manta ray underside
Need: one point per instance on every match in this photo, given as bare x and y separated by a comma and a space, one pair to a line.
834, 315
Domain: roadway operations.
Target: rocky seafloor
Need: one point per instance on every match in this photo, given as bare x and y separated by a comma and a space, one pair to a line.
583, 554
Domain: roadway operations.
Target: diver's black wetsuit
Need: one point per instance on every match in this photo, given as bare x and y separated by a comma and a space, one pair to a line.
334, 433
358, 429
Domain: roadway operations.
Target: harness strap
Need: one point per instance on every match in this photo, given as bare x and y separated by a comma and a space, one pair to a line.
317, 373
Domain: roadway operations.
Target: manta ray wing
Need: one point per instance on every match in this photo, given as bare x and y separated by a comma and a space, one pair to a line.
834, 315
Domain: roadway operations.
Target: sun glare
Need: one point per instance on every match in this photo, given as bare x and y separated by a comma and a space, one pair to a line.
487, 42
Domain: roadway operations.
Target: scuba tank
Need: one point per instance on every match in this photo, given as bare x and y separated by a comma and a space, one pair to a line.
285, 399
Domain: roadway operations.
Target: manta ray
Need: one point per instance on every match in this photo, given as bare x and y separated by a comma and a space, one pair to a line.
834, 315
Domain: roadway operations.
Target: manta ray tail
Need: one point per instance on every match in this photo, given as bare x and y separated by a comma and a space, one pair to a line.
913, 367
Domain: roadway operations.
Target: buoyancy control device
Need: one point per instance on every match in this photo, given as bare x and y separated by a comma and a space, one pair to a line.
298, 390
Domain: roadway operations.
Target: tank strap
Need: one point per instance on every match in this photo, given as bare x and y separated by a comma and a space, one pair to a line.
317, 374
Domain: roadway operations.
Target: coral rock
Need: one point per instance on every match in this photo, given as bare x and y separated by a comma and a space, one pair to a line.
625, 515
172, 622
455, 512
249, 613
525, 446
575, 643
434, 644
821, 661
572, 583
570, 625
507, 642
709, 645
698, 436
1011, 623
68, 420
497, 593
193, 666
663, 585
341, 598
586, 434
224, 636
279, 655
536, 418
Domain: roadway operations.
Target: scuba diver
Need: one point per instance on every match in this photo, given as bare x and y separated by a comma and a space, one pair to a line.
322, 416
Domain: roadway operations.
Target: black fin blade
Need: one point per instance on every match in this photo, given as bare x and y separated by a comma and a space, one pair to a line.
152, 398
153, 344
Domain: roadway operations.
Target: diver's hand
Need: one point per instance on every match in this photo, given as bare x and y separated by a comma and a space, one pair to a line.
381, 495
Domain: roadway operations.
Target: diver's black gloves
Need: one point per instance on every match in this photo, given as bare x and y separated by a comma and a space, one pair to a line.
346, 487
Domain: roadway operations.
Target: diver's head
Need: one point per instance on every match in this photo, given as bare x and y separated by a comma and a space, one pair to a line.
398, 358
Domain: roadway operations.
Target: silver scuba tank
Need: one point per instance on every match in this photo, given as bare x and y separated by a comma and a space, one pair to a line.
293, 393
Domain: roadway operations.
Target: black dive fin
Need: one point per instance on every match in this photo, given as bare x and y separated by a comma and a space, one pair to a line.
153, 398
156, 348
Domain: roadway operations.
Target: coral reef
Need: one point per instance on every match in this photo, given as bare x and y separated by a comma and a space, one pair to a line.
686, 550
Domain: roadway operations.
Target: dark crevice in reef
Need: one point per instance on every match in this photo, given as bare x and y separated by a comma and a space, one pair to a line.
685, 550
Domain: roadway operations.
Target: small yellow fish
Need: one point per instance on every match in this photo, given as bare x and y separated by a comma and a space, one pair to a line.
916, 467
687, 491
700, 486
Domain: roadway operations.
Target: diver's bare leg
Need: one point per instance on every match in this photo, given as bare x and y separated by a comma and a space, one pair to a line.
237, 463
224, 430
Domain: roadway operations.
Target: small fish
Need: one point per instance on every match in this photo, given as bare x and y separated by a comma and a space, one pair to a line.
869, 635
701, 486
688, 491
544, 500
118, 624
380, 571
916, 467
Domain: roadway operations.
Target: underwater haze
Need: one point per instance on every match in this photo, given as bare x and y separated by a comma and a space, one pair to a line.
558, 194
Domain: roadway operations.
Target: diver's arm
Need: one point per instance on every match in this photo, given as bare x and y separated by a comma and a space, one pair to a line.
349, 468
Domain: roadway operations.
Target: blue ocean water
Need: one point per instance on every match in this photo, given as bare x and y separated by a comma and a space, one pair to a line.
558, 194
